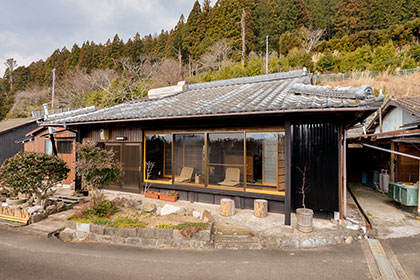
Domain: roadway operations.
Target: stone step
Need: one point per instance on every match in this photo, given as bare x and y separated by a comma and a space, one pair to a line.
226, 229
234, 239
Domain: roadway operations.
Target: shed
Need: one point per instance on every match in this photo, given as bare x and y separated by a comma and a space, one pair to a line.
11, 131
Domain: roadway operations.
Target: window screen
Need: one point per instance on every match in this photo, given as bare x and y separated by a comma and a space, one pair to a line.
64, 147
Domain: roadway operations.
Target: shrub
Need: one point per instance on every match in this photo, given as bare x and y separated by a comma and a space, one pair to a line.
97, 166
32, 173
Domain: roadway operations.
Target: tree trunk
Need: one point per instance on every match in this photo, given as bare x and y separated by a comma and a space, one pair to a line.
260, 208
227, 207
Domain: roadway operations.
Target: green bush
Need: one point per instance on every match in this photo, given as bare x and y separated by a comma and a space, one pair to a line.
32, 173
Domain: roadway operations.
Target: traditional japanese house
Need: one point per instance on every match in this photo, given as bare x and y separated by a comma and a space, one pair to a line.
243, 138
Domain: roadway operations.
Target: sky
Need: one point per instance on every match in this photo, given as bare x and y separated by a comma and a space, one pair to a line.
31, 30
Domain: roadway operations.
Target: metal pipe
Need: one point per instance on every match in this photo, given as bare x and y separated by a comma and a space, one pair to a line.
345, 175
391, 151
50, 131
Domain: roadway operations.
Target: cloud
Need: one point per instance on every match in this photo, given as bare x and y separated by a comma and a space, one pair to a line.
32, 30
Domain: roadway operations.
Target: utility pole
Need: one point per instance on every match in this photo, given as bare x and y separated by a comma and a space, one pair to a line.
179, 62
243, 36
53, 88
266, 54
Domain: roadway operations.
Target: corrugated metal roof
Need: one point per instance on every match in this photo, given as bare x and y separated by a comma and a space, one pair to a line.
288, 91
14, 123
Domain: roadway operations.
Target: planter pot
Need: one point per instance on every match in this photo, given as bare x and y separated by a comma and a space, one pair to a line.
150, 194
15, 201
304, 219
168, 197
84, 192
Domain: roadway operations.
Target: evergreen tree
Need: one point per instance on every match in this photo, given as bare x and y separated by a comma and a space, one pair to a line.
192, 36
265, 24
352, 16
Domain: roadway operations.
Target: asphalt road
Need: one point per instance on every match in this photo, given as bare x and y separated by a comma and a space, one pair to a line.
24, 256
407, 251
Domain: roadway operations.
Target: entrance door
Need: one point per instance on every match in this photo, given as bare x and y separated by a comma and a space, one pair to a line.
129, 155
131, 162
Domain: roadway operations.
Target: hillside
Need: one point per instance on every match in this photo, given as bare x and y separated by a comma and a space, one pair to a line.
323, 35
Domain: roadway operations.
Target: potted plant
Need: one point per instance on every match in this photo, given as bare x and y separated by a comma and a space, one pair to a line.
147, 192
171, 196
304, 215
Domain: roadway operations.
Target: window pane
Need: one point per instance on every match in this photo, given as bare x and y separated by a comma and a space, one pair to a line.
265, 160
48, 147
159, 152
226, 159
189, 158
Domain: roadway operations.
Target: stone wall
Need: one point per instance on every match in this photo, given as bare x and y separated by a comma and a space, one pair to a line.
145, 237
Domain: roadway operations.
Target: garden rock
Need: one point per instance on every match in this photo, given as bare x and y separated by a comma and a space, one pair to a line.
189, 212
349, 240
60, 206
34, 209
196, 214
169, 209
149, 207
181, 211
207, 217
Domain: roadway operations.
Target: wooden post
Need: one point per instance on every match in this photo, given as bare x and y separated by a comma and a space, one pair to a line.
260, 208
392, 166
418, 192
340, 173
288, 175
227, 207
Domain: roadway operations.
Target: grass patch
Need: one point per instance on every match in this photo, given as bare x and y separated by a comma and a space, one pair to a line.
116, 221
164, 226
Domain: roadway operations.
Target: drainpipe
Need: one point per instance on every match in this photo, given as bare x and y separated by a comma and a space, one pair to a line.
50, 131
345, 175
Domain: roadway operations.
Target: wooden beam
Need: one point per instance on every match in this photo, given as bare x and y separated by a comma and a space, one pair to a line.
288, 163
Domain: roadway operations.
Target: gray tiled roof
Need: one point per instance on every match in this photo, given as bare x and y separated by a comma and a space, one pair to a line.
280, 92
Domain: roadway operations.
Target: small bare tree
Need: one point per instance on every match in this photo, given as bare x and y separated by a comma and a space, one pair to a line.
149, 168
310, 38
167, 72
304, 188
212, 60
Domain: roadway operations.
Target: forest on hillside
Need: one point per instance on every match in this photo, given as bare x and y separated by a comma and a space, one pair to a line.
220, 41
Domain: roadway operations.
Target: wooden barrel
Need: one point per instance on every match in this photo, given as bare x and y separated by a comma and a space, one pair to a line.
304, 219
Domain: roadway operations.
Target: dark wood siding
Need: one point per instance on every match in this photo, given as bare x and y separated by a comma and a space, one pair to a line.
316, 145
133, 134
8, 145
